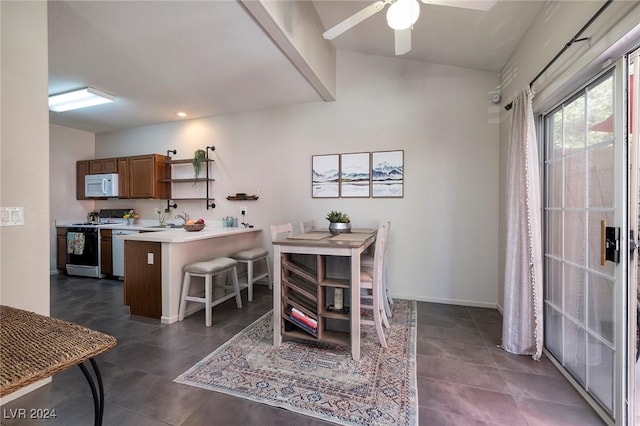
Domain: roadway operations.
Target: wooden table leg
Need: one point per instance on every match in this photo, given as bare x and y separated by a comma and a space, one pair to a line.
277, 296
355, 304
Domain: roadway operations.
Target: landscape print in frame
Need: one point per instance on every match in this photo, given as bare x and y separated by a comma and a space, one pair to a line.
355, 175
325, 176
387, 171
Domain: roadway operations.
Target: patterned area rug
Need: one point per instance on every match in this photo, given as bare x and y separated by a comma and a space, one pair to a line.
320, 380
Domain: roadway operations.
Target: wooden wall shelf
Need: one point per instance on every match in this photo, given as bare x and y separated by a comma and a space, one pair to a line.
246, 198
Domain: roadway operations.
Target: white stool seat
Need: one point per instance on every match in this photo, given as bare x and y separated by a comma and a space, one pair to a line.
214, 266
250, 257
208, 270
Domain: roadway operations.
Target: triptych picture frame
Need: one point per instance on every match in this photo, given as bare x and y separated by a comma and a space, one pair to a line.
378, 174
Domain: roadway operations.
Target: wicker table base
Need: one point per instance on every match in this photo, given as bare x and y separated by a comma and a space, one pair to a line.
34, 347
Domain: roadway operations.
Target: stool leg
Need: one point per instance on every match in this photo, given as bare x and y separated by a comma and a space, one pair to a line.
207, 299
236, 286
185, 292
266, 260
250, 279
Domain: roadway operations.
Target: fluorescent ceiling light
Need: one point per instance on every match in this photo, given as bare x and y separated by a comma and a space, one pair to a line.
76, 99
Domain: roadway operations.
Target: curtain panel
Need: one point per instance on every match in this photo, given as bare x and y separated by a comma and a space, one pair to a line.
522, 326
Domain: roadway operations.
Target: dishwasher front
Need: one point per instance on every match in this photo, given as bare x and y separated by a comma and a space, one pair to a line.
118, 250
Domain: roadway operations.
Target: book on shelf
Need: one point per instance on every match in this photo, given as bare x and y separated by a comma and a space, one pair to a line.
301, 316
303, 326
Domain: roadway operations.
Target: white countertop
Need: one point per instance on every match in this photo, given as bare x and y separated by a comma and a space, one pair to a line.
179, 235
166, 235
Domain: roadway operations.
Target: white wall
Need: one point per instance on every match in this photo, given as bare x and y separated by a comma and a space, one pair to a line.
24, 161
443, 242
25, 155
67, 146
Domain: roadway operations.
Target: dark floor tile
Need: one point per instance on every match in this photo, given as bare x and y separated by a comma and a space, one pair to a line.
524, 363
159, 398
453, 350
467, 401
442, 319
442, 308
537, 386
491, 332
461, 335
429, 417
118, 416
545, 413
461, 372
166, 362
230, 411
484, 315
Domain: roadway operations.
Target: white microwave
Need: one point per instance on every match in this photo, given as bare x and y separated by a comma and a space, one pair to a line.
102, 185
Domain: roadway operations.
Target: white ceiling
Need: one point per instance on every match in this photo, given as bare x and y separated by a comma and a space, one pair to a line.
210, 57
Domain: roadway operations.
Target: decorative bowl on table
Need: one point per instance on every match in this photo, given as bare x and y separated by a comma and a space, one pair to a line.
194, 227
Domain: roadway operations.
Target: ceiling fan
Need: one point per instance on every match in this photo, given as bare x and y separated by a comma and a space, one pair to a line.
401, 15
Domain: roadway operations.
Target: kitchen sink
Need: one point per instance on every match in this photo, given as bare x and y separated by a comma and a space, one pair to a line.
170, 225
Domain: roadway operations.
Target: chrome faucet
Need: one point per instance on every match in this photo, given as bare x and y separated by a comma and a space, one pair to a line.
184, 216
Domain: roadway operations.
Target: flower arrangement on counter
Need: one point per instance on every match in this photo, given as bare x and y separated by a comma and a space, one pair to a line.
162, 215
131, 216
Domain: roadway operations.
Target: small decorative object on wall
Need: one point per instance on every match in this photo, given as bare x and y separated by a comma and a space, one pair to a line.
388, 174
355, 175
325, 176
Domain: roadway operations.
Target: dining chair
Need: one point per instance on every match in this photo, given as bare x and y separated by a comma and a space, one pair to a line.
307, 226
367, 260
371, 281
278, 231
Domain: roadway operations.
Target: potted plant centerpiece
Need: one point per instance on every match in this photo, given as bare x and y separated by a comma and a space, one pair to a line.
338, 222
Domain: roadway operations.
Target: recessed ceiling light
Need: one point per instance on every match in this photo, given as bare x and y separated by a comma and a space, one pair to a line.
77, 99
181, 114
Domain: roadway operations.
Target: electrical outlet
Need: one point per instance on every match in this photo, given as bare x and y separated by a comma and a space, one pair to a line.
243, 210
150, 258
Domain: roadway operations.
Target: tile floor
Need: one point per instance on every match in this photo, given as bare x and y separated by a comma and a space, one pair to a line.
463, 379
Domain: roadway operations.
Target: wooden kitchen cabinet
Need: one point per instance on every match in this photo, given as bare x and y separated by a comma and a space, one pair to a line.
61, 249
143, 280
145, 176
103, 165
106, 256
82, 169
123, 177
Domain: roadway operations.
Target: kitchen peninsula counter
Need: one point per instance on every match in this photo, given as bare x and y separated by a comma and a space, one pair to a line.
154, 262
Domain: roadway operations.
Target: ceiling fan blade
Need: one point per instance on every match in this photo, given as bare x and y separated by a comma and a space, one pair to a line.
466, 4
403, 41
354, 20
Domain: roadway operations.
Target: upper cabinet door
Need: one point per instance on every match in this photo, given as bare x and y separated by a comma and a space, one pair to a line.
145, 176
103, 165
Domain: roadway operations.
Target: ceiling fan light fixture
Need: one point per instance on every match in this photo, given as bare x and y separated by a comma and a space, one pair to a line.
403, 14
77, 99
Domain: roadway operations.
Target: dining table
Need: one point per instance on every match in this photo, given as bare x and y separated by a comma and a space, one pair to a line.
323, 244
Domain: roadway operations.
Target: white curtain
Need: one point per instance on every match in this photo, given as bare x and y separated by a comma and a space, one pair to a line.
522, 326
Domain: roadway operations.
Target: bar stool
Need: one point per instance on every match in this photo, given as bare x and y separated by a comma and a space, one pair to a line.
250, 257
208, 270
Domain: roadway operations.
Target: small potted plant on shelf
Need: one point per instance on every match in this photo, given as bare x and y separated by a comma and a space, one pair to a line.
338, 222
131, 216
198, 157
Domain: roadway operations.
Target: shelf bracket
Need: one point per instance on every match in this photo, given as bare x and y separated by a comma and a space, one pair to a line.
171, 206
171, 151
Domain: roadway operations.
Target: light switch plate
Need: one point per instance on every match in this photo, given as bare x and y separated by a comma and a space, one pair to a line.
150, 258
11, 216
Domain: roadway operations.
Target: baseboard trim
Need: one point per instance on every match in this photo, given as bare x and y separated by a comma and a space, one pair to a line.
472, 303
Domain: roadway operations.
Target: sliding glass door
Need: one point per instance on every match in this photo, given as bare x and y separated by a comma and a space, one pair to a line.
585, 227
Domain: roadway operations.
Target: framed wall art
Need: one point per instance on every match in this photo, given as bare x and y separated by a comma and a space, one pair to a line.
387, 171
325, 176
355, 175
